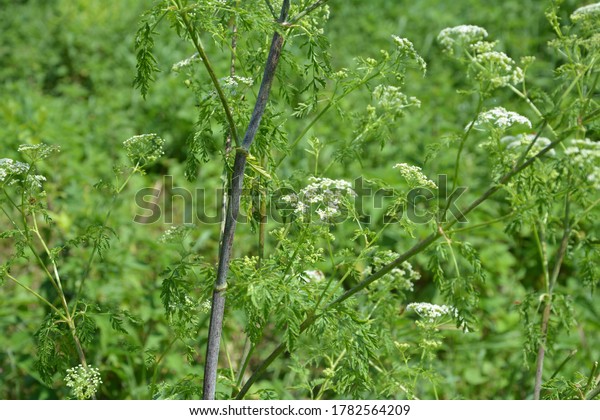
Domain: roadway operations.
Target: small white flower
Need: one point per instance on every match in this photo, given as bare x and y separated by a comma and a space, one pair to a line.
185, 63
403, 277
340, 74
463, 35
144, 148
324, 194
10, 168
414, 176
390, 97
38, 151
522, 141
83, 381
406, 47
206, 306
430, 312
290, 198
501, 118
313, 276
497, 68
585, 153
589, 11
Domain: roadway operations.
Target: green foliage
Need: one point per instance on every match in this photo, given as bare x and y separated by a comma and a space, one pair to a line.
321, 300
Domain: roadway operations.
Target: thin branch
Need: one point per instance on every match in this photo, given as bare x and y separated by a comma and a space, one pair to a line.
539, 370
306, 11
270, 6
37, 295
233, 207
213, 77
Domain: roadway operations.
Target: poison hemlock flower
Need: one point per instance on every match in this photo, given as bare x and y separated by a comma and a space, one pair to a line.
38, 151
177, 67
206, 306
340, 74
327, 196
494, 68
520, 142
83, 381
403, 277
391, 98
586, 155
586, 12
232, 84
431, 312
313, 276
460, 36
414, 176
10, 168
406, 47
497, 68
13, 172
144, 149
501, 118
174, 234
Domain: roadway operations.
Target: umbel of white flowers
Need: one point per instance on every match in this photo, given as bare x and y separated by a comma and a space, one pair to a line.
328, 196
83, 381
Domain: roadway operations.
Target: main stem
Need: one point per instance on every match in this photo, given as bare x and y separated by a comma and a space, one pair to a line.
233, 208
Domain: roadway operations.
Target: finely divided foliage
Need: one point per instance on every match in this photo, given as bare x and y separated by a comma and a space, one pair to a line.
323, 302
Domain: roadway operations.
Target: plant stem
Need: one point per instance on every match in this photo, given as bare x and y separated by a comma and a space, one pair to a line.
90, 260
539, 370
157, 364
306, 11
233, 207
213, 77
37, 295
460, 149
262, 221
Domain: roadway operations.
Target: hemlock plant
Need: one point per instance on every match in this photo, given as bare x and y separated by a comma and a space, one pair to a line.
325, 288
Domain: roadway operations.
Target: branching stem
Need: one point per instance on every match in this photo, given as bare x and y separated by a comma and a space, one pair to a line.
233, 207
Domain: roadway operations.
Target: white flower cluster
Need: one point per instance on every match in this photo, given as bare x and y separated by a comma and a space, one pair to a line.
501, 118
586, 154
206, 306
174, 234
522, 141
463, 36
406, 47
10, 170
177, 67
144, 148
487, 65
83, 381
340, 74
414, 176
586, 12
184, 304
403, 277
497, 68
327, 195
313, 276
232, 83
391, 97
430, 312
38, 151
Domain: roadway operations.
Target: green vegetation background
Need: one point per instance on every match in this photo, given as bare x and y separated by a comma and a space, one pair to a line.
66, 71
